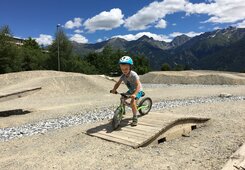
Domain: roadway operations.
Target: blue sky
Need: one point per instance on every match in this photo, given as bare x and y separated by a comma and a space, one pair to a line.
91, 21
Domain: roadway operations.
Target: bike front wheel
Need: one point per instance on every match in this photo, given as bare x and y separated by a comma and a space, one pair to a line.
145, 106
117, 117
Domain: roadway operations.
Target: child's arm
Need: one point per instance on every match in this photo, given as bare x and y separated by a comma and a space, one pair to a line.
116, 86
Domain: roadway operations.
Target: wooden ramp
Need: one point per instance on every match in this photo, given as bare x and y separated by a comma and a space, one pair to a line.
152, 128
237, 160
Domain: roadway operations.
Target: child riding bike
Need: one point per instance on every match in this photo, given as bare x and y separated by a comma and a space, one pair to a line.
131, 80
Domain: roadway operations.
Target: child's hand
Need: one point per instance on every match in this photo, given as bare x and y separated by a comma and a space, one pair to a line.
113, 91
133, 96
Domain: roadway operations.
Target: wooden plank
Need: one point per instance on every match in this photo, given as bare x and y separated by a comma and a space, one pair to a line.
149, 124
114, 139
142, 132
123, 137
154, 122
159, 119
127, 135
142, 128
153, 135
161, 116
164, 116
133, 135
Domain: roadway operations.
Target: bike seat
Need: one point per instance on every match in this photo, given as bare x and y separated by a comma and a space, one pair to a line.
143, 94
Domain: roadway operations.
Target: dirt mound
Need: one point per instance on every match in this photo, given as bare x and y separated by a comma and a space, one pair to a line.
59, 92
18, 77
55, 83
194, 77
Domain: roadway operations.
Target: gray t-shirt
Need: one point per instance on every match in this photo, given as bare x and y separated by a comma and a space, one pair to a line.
130, 81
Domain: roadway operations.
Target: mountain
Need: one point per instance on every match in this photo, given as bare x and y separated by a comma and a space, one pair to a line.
230, 58
179, 40
222, 49
201, 52
144, 45
145, 40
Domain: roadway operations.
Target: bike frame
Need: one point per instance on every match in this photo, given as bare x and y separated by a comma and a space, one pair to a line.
125, 103
120, 111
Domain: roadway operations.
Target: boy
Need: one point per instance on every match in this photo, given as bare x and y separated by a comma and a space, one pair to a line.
131, 80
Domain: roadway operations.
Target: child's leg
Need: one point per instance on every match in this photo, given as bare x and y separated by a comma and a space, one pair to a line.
134, 107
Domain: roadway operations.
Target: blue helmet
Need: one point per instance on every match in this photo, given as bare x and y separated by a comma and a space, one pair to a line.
126, 60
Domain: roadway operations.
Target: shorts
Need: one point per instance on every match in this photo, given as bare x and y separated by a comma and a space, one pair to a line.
138, 95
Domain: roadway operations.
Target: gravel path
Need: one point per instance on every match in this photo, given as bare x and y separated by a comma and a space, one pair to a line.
7, 134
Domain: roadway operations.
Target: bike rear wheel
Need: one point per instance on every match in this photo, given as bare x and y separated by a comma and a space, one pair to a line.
117, 117
145, 106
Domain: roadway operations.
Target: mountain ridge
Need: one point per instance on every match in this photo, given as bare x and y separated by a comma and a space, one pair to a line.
195, 53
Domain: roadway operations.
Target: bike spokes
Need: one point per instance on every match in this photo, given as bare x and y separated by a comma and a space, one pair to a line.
117, 117
145, 106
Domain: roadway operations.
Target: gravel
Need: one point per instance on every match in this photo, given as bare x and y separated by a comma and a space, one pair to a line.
99, 114
186, 85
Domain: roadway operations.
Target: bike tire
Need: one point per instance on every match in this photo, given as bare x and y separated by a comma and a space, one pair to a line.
117, 118
145, 102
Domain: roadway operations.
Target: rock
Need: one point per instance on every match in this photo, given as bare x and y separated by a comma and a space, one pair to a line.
225, 95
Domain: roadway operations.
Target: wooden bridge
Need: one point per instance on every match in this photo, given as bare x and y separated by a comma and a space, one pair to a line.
155, 127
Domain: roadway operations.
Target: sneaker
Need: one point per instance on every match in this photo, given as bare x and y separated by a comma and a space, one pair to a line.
135, 121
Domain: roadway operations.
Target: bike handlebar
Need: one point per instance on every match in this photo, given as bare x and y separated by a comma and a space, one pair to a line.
122, 94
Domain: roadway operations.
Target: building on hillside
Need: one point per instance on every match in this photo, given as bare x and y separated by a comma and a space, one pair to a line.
18, 41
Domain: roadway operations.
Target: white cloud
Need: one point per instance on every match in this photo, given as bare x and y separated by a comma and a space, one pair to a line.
130, 37
99, 40
174, 24
76, 23
105, 20
220, 11
44, 39
78, 31
217, 28
79, 38
241, 24
189, 34
152, 13
161, 24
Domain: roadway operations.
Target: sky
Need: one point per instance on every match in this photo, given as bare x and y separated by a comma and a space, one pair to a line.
92, 21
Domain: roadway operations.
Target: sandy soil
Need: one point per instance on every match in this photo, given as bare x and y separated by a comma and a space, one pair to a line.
66, 93
207, 148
